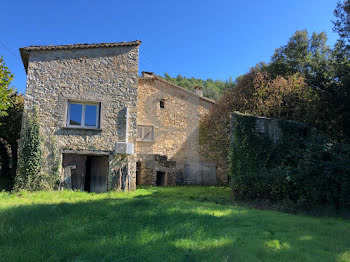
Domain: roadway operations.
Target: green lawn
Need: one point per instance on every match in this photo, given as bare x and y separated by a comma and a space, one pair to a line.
161, 224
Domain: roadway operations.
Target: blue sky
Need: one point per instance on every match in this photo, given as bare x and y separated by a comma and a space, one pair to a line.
203, 39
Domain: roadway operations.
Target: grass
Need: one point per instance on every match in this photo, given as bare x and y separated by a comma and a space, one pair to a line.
161, 224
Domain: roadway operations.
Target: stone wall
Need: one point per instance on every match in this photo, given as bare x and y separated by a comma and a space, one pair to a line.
150, 164
176, 132
104, 75
263, 125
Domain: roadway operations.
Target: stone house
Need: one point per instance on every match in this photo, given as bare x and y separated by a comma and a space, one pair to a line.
168, 134
112, 129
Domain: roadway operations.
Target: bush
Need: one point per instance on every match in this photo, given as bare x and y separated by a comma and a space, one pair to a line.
10, 129
302, 168
259, 94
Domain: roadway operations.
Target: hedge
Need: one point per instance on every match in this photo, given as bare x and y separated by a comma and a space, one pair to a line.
287, 162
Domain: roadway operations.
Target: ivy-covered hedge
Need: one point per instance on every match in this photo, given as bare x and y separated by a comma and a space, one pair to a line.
289, 163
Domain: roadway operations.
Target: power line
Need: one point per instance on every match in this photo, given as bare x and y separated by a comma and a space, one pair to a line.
8, 50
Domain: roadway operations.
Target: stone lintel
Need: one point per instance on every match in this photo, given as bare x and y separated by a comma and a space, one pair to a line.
87, 152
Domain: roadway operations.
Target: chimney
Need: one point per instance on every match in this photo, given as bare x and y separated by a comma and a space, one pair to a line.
146, 74
199, 90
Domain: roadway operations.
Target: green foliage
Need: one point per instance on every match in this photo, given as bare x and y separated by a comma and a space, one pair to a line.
260, 94
303, 169
161, 224
342, 24
326, 71
211, 89
29, 175
9, 135
5, 79
54, 164
305, 81
308, 56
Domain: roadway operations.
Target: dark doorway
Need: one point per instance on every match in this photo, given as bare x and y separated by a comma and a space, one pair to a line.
98, 174
86, 172
138, 173
161, 179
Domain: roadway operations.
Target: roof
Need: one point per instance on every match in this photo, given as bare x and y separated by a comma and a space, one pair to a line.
155, 77
26, 50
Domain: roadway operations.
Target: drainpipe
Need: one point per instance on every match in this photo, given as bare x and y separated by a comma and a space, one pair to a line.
127, 125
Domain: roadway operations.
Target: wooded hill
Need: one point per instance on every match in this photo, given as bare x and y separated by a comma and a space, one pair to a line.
211, 88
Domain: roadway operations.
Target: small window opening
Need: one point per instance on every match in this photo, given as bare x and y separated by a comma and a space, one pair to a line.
145, 133
161, 103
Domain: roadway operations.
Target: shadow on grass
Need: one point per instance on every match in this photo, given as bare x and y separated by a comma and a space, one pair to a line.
164, 226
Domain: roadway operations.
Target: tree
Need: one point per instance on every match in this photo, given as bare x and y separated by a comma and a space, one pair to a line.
341, 65
211, 89
342, 24
306, 56
325, 70
339, 99
259, 94
5, 79
10, 134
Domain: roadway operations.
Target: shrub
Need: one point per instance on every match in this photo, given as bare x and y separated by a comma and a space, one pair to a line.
302, 168
258, 94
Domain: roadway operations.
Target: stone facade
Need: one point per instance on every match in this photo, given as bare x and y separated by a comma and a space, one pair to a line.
173, 113
106, 74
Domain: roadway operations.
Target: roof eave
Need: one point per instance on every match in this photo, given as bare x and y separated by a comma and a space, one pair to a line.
24, 51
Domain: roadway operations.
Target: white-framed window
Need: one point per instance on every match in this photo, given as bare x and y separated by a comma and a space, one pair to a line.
145, 133
83, 115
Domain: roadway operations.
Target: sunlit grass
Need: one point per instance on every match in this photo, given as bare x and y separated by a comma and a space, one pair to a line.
161, 224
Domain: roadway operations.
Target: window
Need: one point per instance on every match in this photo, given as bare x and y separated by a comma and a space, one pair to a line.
161, 103
145, 133
83, 115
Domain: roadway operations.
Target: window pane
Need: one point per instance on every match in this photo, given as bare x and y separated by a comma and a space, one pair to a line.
139, 133
147, 133
90, 115
75, 114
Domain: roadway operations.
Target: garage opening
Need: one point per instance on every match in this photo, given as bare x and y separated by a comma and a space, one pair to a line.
161, 178
85, 172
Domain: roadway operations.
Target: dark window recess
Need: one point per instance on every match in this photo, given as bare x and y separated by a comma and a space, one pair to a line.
160, 180
161, 103
138, 173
